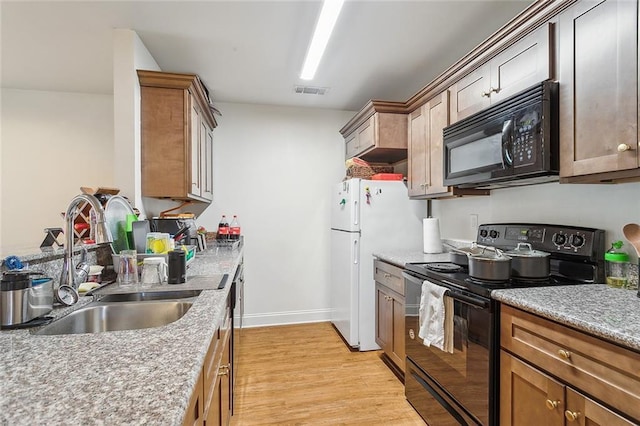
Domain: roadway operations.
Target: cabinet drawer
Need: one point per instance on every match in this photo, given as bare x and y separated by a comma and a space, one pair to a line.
601, 369
389, 276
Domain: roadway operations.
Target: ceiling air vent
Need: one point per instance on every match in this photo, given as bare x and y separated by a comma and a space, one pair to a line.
310, 90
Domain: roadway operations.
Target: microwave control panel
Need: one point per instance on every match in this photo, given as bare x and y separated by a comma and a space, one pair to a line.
526, 132
572, 241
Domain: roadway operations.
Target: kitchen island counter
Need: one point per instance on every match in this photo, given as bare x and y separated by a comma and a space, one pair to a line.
597, 309
143, 376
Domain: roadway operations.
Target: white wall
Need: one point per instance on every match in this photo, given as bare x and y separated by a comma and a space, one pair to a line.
607, 207
274, 167
129, 55
52, 143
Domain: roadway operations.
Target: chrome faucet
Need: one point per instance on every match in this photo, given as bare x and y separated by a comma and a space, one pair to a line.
75, 275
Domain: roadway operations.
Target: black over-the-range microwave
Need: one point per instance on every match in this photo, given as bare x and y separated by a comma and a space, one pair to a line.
511, 143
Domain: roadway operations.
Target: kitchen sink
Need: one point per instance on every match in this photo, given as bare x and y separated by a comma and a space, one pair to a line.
150, 295
98, 317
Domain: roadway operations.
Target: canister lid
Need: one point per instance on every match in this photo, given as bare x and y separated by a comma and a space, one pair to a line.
616, 257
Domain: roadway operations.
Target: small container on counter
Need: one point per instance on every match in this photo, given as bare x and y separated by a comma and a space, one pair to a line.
617, 266
177, 267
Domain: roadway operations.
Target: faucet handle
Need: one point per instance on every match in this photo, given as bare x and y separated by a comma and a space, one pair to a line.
84, 254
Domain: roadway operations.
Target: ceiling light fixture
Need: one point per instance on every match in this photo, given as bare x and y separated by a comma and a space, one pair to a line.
324, 27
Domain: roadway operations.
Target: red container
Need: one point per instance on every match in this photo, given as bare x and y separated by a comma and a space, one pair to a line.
387, 176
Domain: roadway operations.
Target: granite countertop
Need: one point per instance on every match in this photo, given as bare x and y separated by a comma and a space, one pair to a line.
597, 309
135, 377
402, 257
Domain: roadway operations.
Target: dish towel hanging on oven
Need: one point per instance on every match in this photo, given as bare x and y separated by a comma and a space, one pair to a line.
436, 317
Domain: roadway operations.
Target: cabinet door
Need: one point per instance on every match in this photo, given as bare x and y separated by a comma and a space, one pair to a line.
522, 65
437, 114
418, 152
351, 143
397, 343
367, 134
527, 396
194, 147
584, 411
206, 161
471, 93
384, 318
598, 74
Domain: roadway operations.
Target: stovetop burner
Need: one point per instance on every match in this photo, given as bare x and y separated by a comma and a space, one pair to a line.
443, 267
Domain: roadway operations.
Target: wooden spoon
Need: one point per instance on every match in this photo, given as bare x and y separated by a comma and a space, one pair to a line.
631, 232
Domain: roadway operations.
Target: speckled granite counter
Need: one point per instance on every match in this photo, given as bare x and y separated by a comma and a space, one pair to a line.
610, 313
121, 377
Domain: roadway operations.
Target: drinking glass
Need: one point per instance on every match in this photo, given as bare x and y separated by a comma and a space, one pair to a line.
128, 268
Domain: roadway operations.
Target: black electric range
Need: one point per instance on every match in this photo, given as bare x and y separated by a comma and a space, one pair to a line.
461, 387
576, 257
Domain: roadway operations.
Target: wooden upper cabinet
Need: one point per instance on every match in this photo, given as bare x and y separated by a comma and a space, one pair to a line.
426, 156
598, 74
425, 148
523, 64
177, 137
378, 133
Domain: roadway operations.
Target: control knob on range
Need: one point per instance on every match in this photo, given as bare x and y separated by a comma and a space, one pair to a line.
483, 233
577, 241
559, 239
493, 233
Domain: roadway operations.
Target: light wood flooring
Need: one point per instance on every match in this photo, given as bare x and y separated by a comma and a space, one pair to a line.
305, 375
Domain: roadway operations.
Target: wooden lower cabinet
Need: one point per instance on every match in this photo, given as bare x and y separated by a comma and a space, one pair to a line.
211, 401
530, 397
554, 375
390, 313
194, 411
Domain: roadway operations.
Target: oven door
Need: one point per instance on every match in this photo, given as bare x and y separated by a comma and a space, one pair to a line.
479, 152
467, 375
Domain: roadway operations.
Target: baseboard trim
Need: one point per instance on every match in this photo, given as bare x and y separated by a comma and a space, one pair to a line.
285, 318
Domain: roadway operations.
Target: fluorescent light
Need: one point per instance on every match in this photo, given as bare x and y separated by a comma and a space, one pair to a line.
324, 27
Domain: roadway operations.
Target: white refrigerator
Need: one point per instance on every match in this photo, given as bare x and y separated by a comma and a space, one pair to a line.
367, 216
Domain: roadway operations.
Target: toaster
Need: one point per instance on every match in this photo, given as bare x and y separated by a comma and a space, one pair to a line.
23, 299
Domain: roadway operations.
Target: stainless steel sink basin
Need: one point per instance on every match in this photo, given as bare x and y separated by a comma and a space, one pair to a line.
150, 295
98, 317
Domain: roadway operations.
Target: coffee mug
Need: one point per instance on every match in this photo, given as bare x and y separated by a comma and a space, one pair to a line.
154, 271
128, 268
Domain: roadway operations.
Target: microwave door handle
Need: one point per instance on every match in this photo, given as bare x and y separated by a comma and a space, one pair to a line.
507, 143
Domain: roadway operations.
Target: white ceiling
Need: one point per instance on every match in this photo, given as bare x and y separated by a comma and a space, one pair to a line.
248, 52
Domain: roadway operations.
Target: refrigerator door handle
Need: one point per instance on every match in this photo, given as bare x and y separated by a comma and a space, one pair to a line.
355, 212
356, 254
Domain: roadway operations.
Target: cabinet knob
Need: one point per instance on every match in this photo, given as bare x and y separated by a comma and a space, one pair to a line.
624, 147
552, 405
387, 275
572, 416
494, 90
487, 94
564, 354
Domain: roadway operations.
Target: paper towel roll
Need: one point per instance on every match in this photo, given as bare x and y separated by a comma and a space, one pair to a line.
431, 235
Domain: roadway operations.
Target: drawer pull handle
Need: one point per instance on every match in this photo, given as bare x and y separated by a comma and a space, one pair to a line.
572, 416
552, 405
564, 354
387, 275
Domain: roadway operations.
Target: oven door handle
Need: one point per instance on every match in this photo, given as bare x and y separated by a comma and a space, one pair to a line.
474, 301
441, 400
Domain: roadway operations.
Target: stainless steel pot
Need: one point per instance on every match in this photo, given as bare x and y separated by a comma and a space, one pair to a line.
529, 263
491, 265
459, 255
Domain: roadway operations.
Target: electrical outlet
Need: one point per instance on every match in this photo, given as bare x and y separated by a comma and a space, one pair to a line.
474, 221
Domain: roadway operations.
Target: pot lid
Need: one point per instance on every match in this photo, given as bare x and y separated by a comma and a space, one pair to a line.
525, 250
489, 253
